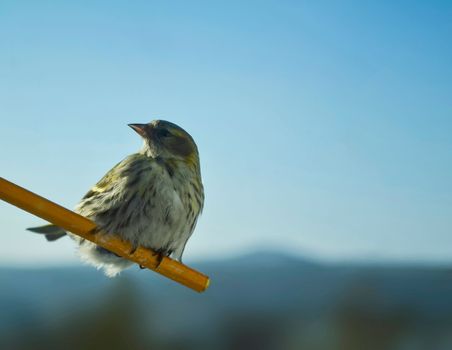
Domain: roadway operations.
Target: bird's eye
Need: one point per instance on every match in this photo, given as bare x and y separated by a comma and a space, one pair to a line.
164, 133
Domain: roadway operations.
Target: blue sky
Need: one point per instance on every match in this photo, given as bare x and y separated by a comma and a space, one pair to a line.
324, 127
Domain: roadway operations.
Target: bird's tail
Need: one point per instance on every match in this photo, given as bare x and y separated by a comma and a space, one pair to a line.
51, 232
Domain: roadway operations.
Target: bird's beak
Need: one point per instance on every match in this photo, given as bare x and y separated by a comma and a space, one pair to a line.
139, 128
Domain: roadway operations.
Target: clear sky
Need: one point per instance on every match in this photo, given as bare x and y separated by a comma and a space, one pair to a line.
324, 127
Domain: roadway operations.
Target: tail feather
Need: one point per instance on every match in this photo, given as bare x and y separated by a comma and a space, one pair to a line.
51, 232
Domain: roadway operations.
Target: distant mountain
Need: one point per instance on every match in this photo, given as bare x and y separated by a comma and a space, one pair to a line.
263, 283
263, 258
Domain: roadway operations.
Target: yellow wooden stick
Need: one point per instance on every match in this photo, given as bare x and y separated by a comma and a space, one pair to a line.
87, 229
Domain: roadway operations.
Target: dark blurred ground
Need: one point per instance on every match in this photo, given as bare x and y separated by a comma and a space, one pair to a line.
261, 301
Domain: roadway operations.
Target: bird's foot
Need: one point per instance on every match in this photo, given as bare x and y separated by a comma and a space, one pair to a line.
133, 250
161, 253
159, 261
95, 230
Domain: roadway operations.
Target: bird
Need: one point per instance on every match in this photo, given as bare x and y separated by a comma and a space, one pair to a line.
152, 198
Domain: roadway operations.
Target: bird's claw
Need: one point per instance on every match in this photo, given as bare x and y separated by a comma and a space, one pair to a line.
95, 230
159, 253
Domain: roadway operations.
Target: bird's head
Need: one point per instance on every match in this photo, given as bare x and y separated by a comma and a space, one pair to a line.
167, 140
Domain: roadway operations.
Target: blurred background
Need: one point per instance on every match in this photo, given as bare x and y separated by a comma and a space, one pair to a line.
324, 133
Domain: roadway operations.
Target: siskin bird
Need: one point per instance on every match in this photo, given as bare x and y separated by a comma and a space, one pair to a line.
151, 198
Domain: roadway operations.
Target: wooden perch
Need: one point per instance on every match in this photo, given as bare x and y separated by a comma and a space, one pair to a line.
87, 229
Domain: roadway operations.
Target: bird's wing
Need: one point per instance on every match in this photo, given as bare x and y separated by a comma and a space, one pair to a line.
124, 180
